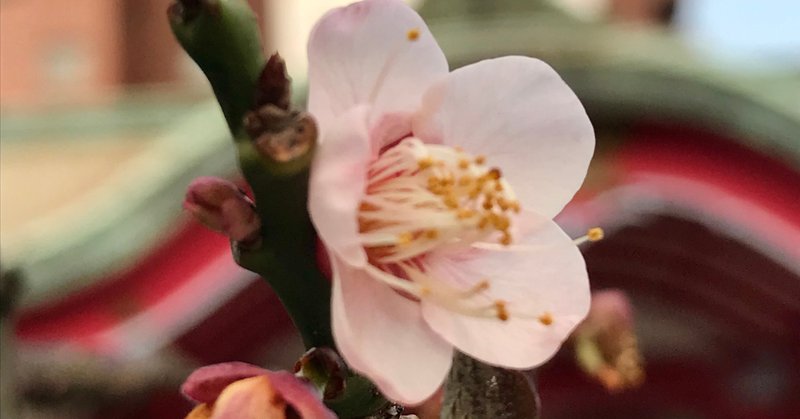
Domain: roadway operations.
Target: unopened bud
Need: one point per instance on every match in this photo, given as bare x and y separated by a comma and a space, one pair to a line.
221, 206
239, 390
605, 343
281, 135
325, 368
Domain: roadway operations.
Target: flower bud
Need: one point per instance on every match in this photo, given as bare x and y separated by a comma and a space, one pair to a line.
244, 391
325, 369
605, 343
221, 206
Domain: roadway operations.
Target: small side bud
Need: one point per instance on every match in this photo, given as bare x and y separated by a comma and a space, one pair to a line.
274, 84
325, 369
281, 135
606, 347
221, 206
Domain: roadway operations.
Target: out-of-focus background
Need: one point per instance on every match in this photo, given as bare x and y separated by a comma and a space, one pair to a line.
110, 295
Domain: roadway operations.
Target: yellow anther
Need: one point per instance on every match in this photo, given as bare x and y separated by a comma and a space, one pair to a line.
465, 181
465, 213
515, 206
506, 239
503, 203
546, 319
488, 204
501, 222
432, 234
480, 160
463, 164
483, 223
495, 173
595, 234
502, 312
498, 186
405, 238
425, 163
413, 34
451, 201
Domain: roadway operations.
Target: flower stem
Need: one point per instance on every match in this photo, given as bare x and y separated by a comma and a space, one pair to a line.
222, 37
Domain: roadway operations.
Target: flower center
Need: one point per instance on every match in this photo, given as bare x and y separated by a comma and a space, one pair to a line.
422, 197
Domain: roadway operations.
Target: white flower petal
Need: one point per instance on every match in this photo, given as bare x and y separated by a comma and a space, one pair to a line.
382, 335
544, 275
338, 179
519, 114
363, 54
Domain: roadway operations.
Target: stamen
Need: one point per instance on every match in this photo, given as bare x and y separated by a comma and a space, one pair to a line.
502, 313
397, 283
546, 318
501, 222
413, 34
404, 238
465, 213
432, 234
595, 234
478, 288
420, 197
592, 235
453, 299
425, 163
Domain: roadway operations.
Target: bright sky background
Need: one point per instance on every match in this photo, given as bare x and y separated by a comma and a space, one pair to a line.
749, 32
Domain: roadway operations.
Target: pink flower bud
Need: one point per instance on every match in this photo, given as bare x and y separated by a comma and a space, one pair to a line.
605, 343
221, 206
244, 391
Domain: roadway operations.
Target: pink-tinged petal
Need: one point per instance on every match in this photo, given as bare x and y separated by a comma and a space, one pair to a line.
300, 395
519, 114
205, 384
377, 52
543, 283
251, 398
338, 180
382, 335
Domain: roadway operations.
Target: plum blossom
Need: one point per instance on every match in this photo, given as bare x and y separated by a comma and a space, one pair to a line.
243, 391
434, 193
